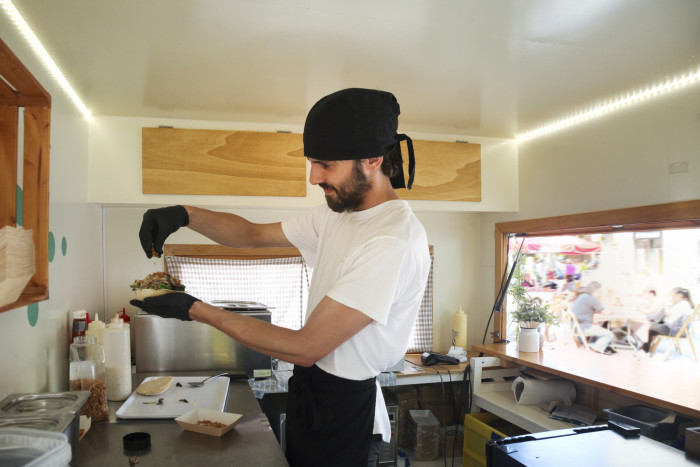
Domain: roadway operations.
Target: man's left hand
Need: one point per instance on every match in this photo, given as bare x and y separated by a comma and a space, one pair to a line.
171, 305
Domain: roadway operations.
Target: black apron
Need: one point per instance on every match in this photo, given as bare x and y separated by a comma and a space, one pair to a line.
329, 419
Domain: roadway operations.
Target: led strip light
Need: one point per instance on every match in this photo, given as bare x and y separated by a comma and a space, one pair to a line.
623, 101
611, 105
43, 55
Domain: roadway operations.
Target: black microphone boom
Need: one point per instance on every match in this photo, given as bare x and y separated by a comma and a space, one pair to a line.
500, 297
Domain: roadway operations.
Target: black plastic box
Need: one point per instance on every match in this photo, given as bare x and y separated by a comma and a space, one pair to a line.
648, 419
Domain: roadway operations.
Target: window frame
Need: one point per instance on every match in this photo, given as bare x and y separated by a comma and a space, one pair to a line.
225, 252
676, 215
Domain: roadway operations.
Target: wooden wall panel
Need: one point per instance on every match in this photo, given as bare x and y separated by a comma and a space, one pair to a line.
444, 171
8, 162
244, 163
219, 162
37, 122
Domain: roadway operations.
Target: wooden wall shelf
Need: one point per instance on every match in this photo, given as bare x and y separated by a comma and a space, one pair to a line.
19, 89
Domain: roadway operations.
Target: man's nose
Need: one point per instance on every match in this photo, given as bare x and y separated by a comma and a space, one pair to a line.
315, 176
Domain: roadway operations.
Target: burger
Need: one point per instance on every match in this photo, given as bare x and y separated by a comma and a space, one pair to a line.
155, 284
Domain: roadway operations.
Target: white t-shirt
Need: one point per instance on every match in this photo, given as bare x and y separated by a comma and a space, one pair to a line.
375, 261
677, 314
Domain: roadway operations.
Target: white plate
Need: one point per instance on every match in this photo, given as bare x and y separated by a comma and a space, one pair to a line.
211, 396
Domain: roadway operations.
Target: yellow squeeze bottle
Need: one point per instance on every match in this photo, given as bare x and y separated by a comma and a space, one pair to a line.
459, 328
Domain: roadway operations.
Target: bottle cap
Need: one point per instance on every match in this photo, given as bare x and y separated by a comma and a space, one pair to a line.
116, 322
96, 324
124, 316
79, 314
137, 441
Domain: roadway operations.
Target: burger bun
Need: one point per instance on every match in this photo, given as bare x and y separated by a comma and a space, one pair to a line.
141, 294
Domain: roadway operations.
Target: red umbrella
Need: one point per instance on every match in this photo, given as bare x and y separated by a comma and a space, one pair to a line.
563, 244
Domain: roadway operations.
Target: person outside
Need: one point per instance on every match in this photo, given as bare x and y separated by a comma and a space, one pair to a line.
676, 314
371, 263
585, 307
653, 306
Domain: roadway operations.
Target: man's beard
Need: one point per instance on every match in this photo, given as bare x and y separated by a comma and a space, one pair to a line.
350, 194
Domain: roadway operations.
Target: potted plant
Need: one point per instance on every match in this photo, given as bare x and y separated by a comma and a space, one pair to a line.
529, 313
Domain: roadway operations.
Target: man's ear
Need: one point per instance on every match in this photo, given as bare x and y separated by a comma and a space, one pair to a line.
375, 162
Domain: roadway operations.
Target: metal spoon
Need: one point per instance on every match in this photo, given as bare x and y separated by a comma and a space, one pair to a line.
198, 384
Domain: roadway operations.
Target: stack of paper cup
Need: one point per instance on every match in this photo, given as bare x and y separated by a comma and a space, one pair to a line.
16, 262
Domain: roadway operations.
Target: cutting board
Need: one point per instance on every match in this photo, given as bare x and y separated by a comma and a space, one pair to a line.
177, 400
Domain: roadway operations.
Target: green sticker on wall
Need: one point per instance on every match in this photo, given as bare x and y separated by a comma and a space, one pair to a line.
52, 246
33, 313
64, 246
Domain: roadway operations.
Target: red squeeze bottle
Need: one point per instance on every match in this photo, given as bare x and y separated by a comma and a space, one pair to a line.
124, 316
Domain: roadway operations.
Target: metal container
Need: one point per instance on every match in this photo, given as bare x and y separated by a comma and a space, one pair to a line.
58, 412
174, 345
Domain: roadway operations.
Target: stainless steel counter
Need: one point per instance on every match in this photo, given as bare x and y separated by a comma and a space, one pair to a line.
251, 443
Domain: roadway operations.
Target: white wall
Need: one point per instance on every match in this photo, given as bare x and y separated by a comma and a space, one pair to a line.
619, 161
34, 340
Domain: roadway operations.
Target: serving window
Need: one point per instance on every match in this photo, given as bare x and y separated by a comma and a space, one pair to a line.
628, 251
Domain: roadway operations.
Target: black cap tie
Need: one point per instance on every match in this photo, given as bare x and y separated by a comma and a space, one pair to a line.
398, 181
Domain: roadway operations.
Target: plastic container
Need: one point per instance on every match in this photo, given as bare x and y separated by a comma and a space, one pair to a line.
480, 428
117, 360
529, 340
648, 419
29, 447
87, 373
79, 324
459, 328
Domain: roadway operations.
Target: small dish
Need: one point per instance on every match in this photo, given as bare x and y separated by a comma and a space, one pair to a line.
189, 421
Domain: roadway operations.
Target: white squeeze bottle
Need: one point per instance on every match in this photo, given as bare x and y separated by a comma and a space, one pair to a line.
117, 360
96, 329
459, 328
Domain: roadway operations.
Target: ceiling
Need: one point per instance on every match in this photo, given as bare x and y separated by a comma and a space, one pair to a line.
489, 68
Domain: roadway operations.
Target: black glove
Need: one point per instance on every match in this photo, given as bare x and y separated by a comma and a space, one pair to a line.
157, 224
171, 305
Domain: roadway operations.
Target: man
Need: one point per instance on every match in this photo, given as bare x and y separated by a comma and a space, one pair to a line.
585, 307
371, 263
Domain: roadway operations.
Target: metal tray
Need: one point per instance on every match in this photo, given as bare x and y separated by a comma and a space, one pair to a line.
53, 402
239, 305
210, 396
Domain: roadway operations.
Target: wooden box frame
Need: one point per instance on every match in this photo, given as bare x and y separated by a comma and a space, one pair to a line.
19, 89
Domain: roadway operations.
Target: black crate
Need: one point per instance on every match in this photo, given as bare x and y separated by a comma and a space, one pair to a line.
648, 419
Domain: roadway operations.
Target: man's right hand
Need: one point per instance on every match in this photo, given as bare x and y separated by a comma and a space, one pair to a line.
157, 224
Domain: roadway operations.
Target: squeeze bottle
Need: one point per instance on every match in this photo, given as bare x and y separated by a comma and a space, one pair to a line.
117, 360
459, 328
96, 329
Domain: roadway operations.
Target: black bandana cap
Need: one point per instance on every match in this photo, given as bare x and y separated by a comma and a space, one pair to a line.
357, 124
